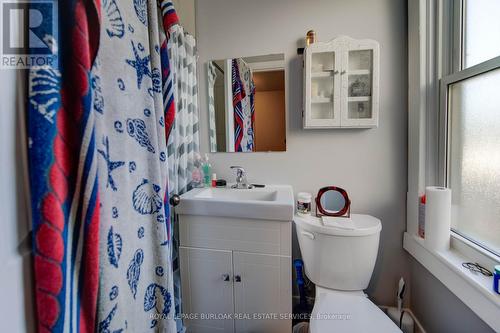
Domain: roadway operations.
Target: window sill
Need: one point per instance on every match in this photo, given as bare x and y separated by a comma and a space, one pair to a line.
475, 290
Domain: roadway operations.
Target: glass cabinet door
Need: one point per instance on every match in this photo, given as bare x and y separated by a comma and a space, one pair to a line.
322, 85
322, 109
359, 86
359, 93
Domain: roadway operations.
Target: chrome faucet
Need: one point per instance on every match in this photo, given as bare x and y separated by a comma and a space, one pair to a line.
241, 179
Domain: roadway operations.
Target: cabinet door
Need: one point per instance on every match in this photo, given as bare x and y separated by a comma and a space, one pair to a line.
262, 290
205, 291
360, 75
322, 86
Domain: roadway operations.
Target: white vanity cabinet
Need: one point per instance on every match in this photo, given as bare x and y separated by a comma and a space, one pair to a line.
341, 84
235, 274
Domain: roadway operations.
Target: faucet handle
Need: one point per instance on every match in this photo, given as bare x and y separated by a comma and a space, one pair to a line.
241, 178
239, 170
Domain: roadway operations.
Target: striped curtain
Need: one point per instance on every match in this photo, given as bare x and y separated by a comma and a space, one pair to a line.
183, 141
212, 76
181, 88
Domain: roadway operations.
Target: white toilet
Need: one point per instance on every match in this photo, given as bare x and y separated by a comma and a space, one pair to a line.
339, 260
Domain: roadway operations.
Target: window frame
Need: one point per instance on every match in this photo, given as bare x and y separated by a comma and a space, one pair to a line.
444, 136
434, 35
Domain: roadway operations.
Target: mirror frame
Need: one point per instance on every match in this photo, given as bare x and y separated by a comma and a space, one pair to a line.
344, 212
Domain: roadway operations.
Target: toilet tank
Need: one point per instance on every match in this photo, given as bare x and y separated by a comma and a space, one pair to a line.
341, 256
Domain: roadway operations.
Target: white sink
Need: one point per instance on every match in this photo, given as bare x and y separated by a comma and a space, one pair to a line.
238, 195
273, 202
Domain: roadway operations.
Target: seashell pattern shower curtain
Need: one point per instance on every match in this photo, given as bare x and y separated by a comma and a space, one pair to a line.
136, 284
99, 165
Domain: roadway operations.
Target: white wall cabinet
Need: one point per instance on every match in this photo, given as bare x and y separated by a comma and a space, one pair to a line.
238, 271
341, 84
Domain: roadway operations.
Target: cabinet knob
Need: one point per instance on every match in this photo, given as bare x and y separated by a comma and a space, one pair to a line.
225, 277
336, 72
237, 278
342, 73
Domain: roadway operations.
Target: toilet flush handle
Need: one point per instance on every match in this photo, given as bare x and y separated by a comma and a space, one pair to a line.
308, 234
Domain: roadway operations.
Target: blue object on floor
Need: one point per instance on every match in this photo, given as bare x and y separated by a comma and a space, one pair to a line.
302, 310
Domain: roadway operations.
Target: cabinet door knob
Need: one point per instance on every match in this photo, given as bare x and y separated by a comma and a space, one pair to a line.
342, 73
237, 278
336, 72
225, 277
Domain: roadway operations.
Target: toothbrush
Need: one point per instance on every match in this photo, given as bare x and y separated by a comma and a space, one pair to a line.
400, 294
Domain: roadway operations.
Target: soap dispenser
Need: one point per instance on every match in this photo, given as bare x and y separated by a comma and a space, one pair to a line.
207, 171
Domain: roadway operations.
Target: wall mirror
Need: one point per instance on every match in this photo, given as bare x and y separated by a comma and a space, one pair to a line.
246, 104
333, 201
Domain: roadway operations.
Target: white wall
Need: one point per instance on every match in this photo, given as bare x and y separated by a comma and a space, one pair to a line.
437, 308
185, 11
370, 164
16, 300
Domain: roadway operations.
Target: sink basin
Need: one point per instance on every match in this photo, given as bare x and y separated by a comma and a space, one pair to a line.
273, 202
237, 195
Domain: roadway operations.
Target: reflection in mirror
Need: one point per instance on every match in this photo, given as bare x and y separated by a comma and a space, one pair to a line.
246, 104
332, 201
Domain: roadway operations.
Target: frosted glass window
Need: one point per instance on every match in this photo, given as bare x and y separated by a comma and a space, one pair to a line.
481, 31
474, 160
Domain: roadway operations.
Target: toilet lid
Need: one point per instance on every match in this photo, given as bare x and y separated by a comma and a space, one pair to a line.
348, 312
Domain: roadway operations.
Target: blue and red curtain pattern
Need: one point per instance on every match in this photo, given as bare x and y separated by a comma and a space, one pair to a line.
65, 199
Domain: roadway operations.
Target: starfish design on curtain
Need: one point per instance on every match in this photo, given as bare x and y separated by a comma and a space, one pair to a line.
141, 65
112, 165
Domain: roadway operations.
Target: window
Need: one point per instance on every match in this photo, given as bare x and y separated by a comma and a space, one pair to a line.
472, 127
474, 157
481, 32
454, 140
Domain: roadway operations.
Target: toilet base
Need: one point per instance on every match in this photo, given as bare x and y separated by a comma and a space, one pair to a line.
348, 311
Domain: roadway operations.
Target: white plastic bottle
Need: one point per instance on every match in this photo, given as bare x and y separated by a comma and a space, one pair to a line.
304, 200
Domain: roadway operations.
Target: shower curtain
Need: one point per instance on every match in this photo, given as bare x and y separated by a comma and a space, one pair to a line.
99, 167
183, 139
136, 285
212, 77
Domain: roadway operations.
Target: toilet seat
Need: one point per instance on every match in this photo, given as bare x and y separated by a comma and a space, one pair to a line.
348, 312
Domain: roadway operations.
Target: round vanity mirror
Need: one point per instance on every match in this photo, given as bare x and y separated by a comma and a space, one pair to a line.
332, 201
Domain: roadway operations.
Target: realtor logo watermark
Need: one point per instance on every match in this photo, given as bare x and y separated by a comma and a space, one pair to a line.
27, 33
